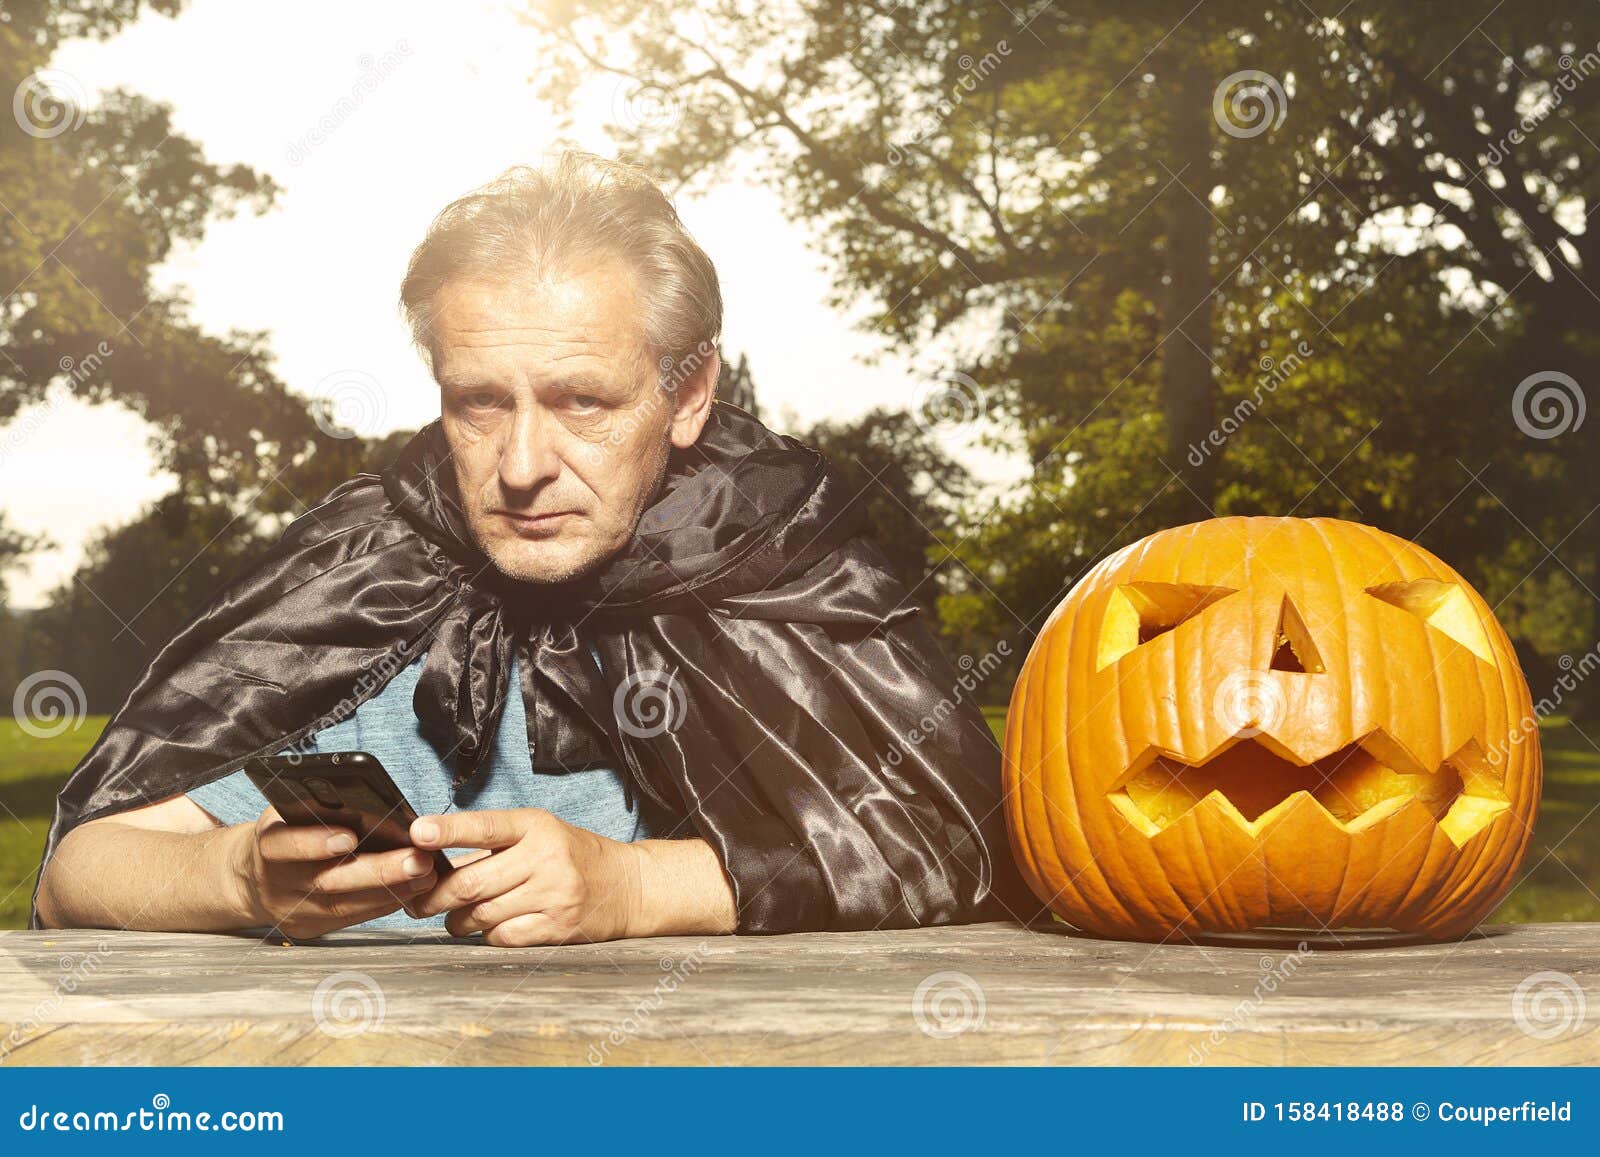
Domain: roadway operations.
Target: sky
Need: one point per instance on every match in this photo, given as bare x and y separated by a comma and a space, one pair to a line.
444, 100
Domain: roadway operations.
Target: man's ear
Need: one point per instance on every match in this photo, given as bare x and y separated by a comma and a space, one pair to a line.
691, 405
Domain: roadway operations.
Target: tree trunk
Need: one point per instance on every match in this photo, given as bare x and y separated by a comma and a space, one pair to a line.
1187, 386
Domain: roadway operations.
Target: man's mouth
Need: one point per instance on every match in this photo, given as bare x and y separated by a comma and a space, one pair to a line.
535, 525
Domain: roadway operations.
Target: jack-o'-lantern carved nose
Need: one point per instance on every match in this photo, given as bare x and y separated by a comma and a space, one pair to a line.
1293, 648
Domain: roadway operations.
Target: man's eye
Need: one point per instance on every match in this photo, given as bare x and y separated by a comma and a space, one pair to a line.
585, 401
481, 399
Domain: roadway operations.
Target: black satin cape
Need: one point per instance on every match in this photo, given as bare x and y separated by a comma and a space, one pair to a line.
816, 736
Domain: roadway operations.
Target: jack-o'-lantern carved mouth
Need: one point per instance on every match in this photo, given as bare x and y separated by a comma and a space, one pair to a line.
1254, 779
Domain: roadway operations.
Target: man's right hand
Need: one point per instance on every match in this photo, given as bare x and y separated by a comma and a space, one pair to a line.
305, 882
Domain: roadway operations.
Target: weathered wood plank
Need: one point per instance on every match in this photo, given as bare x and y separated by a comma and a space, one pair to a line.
993, 993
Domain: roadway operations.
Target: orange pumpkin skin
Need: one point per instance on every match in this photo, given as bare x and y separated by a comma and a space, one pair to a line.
1271, 722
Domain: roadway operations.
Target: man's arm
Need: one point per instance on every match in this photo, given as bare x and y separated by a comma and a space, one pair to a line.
153, 868
547, 882
171, 867
684, 889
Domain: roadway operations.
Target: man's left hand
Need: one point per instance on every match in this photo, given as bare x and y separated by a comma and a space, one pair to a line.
542, 881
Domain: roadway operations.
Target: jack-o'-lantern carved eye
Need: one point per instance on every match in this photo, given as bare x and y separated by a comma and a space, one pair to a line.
1141, 611
1444, 606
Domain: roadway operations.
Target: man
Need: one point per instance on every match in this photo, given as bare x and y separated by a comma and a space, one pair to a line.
621, 644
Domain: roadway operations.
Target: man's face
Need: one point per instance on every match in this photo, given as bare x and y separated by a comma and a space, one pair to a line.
554, 416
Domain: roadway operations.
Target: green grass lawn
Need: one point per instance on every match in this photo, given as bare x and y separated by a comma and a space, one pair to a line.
31, 772
1559, 879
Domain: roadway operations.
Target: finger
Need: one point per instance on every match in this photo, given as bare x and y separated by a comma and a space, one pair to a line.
354, 907
298, 843
391, 869
480, 917
480, 829
483, 879
526, 931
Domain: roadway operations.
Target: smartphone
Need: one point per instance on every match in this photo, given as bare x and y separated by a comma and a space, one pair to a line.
344, 789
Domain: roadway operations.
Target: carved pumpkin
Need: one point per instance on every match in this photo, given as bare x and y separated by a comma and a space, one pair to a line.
1275, 722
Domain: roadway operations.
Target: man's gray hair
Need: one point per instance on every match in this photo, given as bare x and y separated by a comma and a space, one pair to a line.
530, 222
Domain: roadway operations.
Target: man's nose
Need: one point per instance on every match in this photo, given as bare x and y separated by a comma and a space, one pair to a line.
528, 457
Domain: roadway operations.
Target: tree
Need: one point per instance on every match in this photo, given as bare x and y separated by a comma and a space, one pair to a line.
95, 200
909, 485
1124, 220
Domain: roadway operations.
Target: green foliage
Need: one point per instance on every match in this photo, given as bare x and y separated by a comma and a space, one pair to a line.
1050, 195
909, 484
95, 199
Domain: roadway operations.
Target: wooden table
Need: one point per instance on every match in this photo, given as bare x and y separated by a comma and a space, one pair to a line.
991, 993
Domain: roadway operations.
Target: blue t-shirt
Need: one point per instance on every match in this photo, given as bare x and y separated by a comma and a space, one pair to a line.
600, 799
